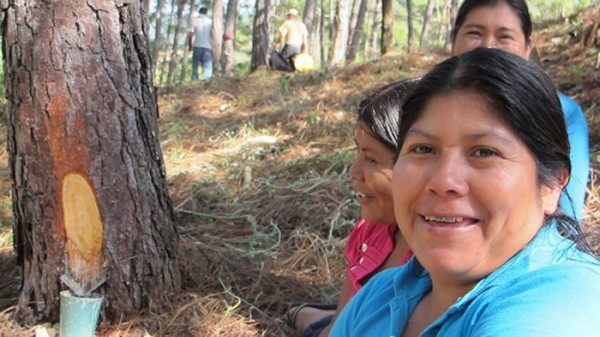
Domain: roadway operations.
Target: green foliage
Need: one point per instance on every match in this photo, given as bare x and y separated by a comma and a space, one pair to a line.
575, 69
548, 9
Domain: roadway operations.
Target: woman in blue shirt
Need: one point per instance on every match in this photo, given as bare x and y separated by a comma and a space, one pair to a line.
485, 145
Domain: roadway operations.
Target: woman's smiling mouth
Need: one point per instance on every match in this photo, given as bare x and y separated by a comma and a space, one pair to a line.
448, 221
362, 196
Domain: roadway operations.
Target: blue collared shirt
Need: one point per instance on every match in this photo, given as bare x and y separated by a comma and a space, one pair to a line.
548, 289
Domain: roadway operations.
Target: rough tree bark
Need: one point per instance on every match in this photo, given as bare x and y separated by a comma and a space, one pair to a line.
260, 35
90, 196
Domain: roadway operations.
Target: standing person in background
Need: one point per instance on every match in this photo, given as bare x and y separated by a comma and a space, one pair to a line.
506, 24
294, 37
199, 41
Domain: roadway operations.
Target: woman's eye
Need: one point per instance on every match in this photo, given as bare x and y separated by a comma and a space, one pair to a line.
473, 33
422, 149
485, 152
370, 160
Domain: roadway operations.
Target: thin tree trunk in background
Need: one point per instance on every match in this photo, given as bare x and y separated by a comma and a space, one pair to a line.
424, 39
217, 34
165, 60
409, 24
322, 36
374, 50
173, 60
308, 16
354, 6
185, 60
330, 28
228, 55
387, 10
451, 11
90, 199
358, 31
441, 25
157, 33
260, 35
340, 39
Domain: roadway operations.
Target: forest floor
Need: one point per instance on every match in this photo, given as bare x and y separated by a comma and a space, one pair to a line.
257, 173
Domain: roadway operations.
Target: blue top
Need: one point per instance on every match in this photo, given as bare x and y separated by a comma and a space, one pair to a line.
580, 158
548, 289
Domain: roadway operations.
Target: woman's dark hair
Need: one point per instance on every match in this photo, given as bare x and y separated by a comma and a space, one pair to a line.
519, 6
521, 95
379, 113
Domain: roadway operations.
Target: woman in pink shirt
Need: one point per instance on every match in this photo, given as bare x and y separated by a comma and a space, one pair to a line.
375, 243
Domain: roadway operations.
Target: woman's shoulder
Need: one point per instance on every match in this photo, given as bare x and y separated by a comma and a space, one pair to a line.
555, 300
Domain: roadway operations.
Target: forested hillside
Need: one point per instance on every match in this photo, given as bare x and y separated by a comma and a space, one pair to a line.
256, 166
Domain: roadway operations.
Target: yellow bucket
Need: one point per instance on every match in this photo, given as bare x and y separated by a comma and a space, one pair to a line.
304, 62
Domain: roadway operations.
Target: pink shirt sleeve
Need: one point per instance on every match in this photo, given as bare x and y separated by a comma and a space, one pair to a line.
368, 247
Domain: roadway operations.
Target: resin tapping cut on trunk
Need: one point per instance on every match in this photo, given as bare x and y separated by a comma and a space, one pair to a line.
84, 235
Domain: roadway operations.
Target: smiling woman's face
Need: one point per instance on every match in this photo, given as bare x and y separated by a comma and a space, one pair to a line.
492, 27
371, 174
465, 191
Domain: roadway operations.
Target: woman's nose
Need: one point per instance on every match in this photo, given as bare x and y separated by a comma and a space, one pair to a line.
354, 171
448, 177
489, 41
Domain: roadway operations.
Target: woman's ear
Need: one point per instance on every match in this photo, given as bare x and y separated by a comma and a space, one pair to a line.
551, 194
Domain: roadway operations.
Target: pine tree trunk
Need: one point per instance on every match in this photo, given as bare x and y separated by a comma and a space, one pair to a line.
340, 36
185, 58
174, 60
217, 34
409, 24
424, 39
90, 196
358, 31
228, 54
260, 35
323, 48
355, 5
308, 16
165, 60
451, 11
373, 49
387, 11
157, 33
